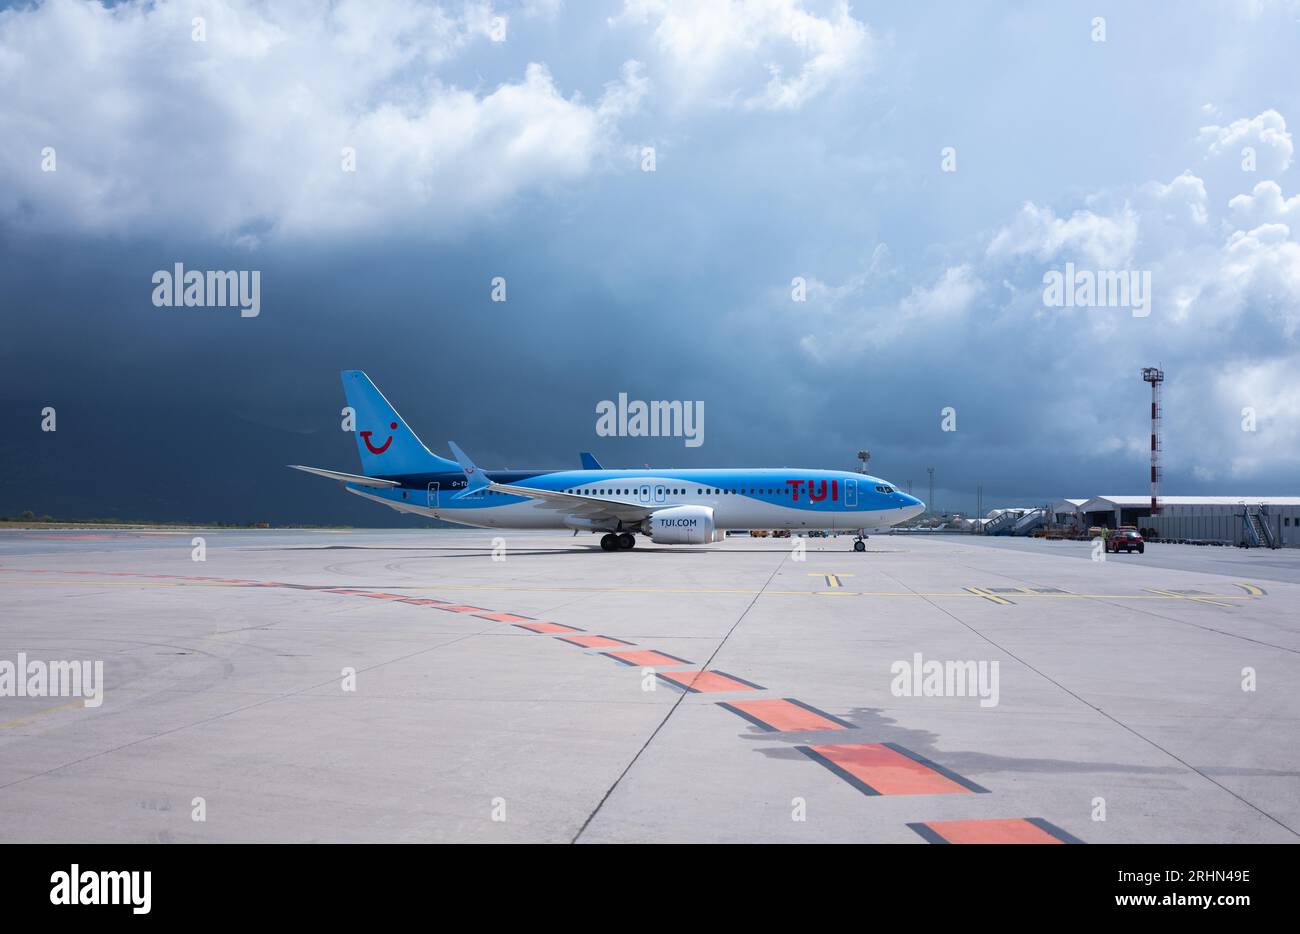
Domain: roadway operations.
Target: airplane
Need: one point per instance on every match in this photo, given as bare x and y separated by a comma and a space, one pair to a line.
669, 506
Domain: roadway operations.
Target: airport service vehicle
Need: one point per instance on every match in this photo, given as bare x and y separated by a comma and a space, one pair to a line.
1126, 540
669, 506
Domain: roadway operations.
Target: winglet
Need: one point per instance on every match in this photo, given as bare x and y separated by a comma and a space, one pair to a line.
589, 461
475, 480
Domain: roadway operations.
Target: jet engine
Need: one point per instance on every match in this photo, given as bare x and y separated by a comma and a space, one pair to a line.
683, 525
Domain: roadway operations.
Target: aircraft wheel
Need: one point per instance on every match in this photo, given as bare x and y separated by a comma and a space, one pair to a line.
859, 546
626, 540
609, 541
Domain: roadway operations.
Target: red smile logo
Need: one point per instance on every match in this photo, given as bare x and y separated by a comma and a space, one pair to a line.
365, 436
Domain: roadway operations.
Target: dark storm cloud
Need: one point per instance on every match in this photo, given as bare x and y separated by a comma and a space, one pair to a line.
924, 288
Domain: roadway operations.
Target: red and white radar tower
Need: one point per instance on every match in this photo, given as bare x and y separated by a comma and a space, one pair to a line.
1155, 376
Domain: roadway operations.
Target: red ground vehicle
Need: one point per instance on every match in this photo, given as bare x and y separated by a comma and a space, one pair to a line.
1125, 540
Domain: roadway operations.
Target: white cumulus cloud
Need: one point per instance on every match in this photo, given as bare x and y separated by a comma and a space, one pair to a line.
1265, 204
1224, 317
1086, 237
758, 54
1266, 133
245, 135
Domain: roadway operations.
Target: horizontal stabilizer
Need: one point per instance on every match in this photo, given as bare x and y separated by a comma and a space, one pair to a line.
345, 477
475, 481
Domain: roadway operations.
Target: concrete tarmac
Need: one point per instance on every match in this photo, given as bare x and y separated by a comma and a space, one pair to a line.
408, 685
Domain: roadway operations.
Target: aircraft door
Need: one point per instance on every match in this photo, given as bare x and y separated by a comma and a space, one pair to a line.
661, 494
433, 495
644, 493
850, 492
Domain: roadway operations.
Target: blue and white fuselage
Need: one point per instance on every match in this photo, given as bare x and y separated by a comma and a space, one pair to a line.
672, 506
740, 499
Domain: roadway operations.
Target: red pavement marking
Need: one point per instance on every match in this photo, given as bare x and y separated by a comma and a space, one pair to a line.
880, 769
783, 715
546, 627
1014, 830
876, 769
708, 681
644, 657
592, 642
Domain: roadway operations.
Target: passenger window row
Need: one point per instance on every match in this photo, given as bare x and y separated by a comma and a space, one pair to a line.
702, 492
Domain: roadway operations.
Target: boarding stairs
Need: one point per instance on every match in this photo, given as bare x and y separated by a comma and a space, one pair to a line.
1031, 520
1002, 523
1256, 529
1264, 528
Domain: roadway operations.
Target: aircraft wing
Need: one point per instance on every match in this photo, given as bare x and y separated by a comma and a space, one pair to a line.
589, 507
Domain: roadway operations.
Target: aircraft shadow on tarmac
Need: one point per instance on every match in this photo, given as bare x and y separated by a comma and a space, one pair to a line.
872, 726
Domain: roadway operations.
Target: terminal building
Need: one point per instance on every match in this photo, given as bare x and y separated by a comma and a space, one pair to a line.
1267, 521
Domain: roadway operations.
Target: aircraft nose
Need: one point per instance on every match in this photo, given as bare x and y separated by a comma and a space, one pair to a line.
913, 505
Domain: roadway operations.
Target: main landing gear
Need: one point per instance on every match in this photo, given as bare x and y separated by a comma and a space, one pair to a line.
622, 541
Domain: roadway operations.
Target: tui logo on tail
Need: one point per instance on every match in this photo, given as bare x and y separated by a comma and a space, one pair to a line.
366, 435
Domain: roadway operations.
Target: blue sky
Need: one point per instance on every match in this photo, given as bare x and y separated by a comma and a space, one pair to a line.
791, 139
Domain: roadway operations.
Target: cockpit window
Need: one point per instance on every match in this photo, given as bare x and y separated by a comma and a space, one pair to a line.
884, 488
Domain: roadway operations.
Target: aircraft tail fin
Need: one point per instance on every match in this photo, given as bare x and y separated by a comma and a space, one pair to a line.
387, 445
589, 461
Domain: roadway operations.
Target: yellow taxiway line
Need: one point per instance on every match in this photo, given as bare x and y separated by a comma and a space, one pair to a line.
529, 588
10, 724
1198, 598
